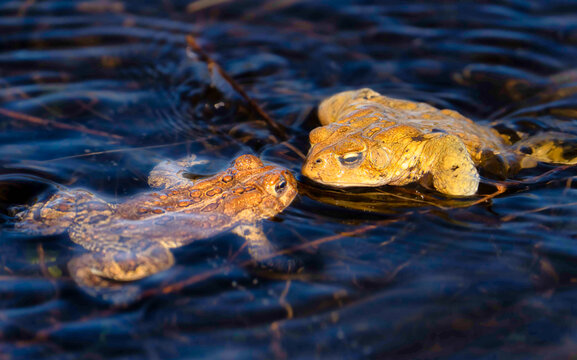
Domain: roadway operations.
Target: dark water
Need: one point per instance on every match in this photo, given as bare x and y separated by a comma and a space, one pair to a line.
94, 94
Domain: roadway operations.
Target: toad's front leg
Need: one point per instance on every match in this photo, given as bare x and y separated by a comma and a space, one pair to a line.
447, 160
169, 173
262, 251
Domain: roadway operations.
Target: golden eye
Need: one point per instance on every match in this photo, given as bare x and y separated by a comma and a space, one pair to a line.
351, 158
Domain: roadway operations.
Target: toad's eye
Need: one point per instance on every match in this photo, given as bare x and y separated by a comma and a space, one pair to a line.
280, 186
351, 158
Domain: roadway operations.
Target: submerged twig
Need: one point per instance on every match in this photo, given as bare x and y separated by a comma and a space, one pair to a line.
276, 341
111, 151
24, 8
199, 5
282, 300
213, 65
42, 261
503, 185
532, 211
500, 190
294, 149
537, 177
45, 122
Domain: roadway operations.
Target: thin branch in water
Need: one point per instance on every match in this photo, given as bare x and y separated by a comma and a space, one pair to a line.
502, 185
45, 122
269, 7
238, 252
532, 211
90, 108
276, 343
296, 151
42, 261
131, 149
199, 5
44, 334
537, 177
500, 190
282, 300
213, 65
398, 269
24, 8
326, 239
190, 281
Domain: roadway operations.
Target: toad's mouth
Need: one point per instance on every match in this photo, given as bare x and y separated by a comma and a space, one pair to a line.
339, 183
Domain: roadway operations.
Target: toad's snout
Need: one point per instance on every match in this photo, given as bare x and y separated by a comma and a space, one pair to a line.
313, 167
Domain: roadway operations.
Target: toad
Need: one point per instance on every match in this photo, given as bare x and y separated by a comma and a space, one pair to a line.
131, 240
368, 139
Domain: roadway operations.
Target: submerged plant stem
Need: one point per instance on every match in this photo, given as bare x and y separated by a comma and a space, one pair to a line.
45, 122
213, 65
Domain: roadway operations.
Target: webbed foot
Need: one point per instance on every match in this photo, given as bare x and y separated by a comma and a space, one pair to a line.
108, 276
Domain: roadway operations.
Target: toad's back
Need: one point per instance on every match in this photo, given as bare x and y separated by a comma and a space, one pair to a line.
364, 107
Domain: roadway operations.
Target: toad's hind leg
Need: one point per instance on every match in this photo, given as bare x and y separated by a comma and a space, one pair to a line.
262, 251
107, 275
548, 147
59, 212
447, 160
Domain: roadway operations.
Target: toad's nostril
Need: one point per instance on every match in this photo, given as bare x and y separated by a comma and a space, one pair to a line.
318, 161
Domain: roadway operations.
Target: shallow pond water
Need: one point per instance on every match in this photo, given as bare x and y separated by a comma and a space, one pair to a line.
93, 94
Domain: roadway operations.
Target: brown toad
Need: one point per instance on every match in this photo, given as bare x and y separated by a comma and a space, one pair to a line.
368, 139
131, 240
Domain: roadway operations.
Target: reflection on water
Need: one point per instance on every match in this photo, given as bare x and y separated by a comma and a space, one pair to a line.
94, 94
